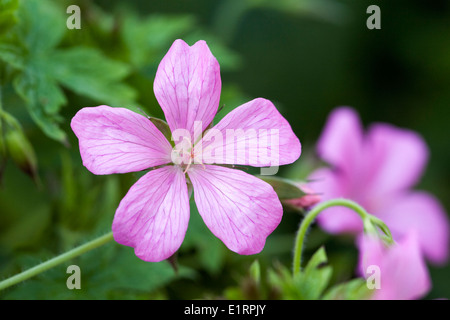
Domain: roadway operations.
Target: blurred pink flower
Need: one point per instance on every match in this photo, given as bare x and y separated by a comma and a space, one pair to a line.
377, 169
403, 274
153, 217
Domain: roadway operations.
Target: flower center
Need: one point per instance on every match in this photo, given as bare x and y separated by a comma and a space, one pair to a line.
182, 157
183, 154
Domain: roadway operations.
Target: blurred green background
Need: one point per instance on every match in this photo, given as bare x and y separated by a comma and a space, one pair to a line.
307, 56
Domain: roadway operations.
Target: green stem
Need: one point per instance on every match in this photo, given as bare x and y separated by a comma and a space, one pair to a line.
309, 218
56, 261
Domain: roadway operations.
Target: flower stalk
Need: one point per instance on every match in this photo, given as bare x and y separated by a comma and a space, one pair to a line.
372, 225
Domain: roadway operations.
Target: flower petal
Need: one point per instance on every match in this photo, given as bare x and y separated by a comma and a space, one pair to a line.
117, 140
153, 217
402, 270
187, 86
340, 143
421, 212
253, 134
239, 209
395, 156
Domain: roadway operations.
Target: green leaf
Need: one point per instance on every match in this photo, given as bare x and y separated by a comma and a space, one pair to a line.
11, 54
255, 271
315, 277
41, 68
308, 284
88, 72
147, 39
285, 188
26, 51
281, 280
355, 289
42, 25
43, 99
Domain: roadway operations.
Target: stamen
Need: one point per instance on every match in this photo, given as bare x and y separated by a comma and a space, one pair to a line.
188, 166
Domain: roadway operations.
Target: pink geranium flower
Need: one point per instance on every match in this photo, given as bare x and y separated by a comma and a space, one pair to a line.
402, 273
377, 169
238, 208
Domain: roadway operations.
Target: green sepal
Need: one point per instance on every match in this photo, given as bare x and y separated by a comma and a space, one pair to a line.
285, 188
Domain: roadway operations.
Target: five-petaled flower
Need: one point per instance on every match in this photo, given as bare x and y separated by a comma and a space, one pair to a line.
237, 207
377, 170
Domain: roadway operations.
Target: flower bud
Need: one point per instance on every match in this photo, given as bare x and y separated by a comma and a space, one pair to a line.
304, 202
376, 227
294, 194
21, 151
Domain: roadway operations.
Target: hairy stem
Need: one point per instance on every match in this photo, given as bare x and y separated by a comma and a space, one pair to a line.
309, 218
